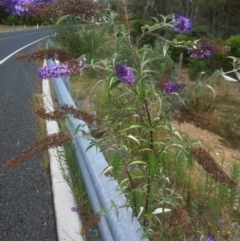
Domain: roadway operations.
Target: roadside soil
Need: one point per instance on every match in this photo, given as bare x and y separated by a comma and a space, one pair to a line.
225, 108
219, 148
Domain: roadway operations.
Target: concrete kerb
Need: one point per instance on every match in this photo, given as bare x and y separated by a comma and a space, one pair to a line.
68, 223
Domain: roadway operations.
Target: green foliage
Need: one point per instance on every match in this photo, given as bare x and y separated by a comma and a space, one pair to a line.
196, 66
25, 20
234, 43
79, 39
136, 32
12, 20
134, 118
201, 32
175, 52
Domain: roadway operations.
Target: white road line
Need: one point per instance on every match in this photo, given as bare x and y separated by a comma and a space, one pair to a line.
10, 55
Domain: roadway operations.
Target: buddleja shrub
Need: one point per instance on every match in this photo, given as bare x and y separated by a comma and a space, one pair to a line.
145, 153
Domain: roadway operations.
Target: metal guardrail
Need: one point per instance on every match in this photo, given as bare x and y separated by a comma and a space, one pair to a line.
102, 191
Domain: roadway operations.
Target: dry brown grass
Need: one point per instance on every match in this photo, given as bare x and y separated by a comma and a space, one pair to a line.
6, 28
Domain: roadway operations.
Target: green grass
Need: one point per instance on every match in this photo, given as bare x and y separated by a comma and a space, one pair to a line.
72, 175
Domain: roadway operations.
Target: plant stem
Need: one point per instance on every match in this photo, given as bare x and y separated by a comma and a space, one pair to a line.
150, 122
132, 188
147, 199
149, 179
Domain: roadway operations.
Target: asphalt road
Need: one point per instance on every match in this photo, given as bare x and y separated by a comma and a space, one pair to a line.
26, 206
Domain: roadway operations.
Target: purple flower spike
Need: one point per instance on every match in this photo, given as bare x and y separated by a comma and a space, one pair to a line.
19, 7
210, 238
172, 87
62, 69
124, 73
182, 24
74, 209
201, 53
205, 48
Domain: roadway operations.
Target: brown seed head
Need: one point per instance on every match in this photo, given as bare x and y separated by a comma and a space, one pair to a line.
51, 141
91, 222
208, 163
55, 54
207, 44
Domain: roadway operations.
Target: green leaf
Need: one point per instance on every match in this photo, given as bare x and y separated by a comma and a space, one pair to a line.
139, 176
214, 75
93, 144
177, 155
144, 149
119, 41
137, 125
98, 82
165, 48
177, 134
134, 138
107, 169
113, 15
161, 210
145, 49
138, 163
77, 129
200, 76
155, 20
124, 180
153, 164
116, 164
229, 78
150, 60
61, 19
237, 74
110, 82
104, 30
114, 85
194, 205
142, 89
140, 212
211, 88
116, 208
145, 27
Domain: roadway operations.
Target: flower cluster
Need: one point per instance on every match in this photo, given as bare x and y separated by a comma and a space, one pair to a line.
210, 165
63, 69
19, 7
51, 141
171, 87
201, 53
181, 23
51, 9
53, 53
210, 238
205, 48
124, 73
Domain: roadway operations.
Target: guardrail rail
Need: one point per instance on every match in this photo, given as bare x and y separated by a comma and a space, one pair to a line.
102, 191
